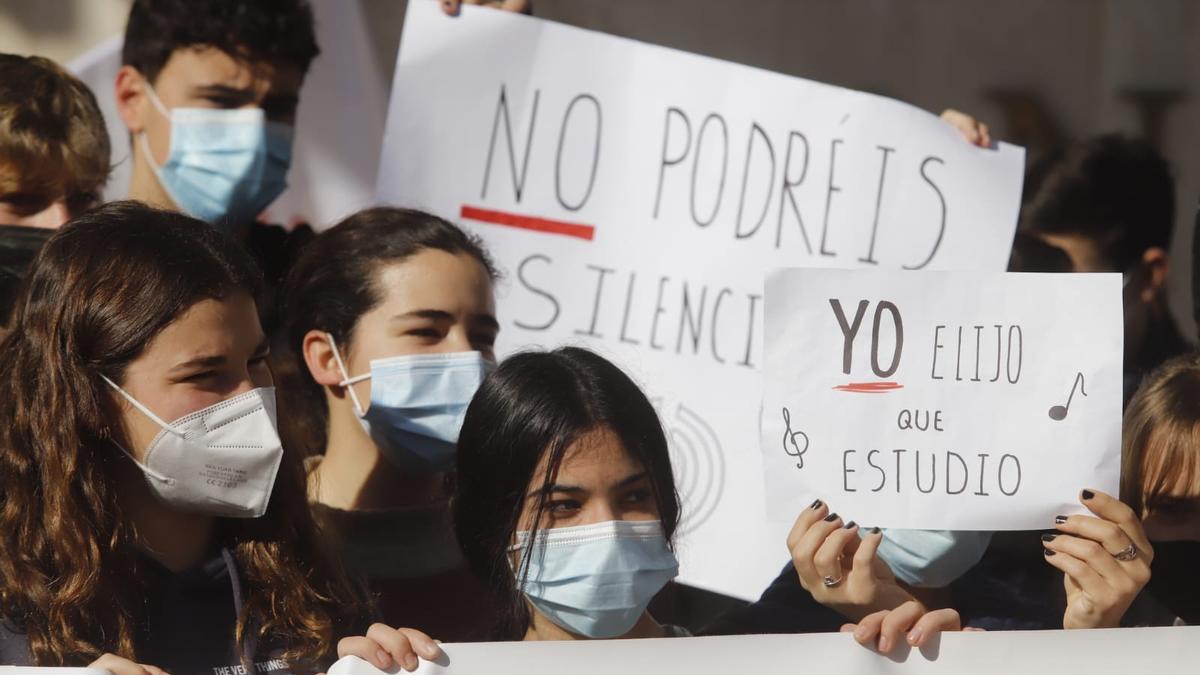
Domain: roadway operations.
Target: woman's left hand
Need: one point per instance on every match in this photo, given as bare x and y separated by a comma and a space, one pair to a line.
1105, 561
909, 622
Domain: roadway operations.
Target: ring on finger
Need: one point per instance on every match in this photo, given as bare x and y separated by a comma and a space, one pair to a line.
1128, 553
830, 582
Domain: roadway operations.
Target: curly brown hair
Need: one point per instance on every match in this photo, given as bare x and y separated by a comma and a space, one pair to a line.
71, 576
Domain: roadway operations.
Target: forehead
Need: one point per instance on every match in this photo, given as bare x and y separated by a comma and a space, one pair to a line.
205, 65
210, 326
1085, 253
434, 279
596, 460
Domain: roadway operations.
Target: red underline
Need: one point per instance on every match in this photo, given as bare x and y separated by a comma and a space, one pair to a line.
870, 387
528, 222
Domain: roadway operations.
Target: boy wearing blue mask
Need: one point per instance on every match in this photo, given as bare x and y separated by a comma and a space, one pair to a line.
209, 90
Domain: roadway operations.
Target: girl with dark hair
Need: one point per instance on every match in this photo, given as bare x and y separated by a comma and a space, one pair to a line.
566, 506
390, 323
147, 509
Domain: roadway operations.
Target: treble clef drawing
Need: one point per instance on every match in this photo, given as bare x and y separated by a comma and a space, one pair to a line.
790, 446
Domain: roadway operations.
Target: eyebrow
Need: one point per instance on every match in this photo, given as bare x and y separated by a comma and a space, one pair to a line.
439, 315
224, 91
557, 487
214, 360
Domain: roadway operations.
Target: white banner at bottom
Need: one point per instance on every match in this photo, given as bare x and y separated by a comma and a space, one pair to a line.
1116, 651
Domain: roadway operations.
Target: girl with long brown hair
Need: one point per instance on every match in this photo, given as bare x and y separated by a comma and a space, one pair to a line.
148, 512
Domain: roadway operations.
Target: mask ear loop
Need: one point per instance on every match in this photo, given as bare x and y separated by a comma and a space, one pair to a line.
347, 381
157, 420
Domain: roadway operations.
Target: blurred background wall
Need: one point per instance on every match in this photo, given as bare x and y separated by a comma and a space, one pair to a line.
1039, 72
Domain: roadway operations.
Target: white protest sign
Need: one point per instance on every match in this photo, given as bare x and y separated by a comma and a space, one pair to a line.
1114, 651
633, 196
944, 400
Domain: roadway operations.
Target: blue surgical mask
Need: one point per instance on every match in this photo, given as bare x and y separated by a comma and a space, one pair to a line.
224, 166
417, 405
932, 558
596, 580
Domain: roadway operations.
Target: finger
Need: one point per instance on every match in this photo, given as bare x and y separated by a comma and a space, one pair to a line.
864, 557
867, 630
830, 556
154, 670
1105, 533
117, 665
806, 550
425, 646
985, 135
366, 649
897, 623
1080, 572
395, 643
847, 628
1114, 510
1115, 573
451, 7
931, 624
814, 513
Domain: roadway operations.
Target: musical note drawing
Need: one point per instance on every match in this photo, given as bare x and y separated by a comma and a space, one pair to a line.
1058, 413
789, 439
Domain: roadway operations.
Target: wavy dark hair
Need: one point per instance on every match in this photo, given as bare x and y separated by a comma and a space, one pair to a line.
535, 405
271, 31
335, 282
71, 577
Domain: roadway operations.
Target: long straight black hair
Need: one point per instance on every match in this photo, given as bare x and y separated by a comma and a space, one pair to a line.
535, 405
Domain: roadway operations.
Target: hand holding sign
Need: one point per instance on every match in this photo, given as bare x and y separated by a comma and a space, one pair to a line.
841, 571
919, 627
1105, 561
387, 648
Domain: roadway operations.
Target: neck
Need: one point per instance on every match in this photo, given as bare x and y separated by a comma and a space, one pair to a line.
143, 184
354, 475
545, 629
175, 539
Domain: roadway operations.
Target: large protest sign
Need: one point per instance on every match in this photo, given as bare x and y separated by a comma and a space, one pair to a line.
945, 400
633, 196
1119, 651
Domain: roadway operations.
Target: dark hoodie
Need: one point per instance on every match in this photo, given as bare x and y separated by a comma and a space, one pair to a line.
190, 625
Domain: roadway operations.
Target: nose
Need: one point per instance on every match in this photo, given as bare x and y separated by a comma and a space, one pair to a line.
457, 340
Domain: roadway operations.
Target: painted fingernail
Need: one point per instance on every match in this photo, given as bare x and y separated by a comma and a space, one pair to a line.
831, 517
816, 505
914, 636
1048, 537
875, 530
850, 525
1088, 494
1059, 520
384, 659
1048, 551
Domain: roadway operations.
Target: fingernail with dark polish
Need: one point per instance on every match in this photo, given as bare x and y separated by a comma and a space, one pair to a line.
875, 530
1048, 551
1088, 494
1048, 537
1059, 520
831, 517
850, 525
816, 505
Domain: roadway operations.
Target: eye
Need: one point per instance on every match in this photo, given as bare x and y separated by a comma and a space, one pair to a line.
201, 376
639, 496
563, 507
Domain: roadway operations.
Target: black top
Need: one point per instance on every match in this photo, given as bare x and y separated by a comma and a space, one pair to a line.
189, 627
18, 247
